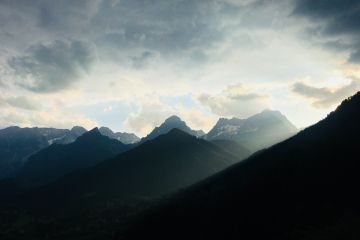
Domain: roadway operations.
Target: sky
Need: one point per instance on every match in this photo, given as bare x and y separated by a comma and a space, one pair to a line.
130, 64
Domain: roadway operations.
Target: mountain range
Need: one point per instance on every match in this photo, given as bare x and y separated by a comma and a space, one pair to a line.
158, 167
17, 144
302, 188
99, 181
58, 160
256, 132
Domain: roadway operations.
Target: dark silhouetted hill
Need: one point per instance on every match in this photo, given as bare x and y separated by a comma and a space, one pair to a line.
303, 188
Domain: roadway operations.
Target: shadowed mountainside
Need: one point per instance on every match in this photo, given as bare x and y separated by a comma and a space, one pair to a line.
302, 188
17, 144
58, 160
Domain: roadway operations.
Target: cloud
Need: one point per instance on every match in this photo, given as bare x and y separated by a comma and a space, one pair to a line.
62, 15
23, 103
147, 117
108, 109
355, 56
142, 60
66, 14
53, 118
235, 100
334, 19
162, 47
161, 25
325, 97
53, 67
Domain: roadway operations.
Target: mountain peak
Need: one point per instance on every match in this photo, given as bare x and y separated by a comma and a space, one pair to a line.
78, 130
231, 121
106, 131
169, 124
258, 131
90, 134
173, 118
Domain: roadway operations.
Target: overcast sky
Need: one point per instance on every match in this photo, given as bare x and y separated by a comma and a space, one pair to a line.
129, 64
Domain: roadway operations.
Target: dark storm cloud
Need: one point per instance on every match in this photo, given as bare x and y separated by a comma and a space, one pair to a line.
52, 67
163, 26
355, 56
325, 97
51, 15
66, 13
182, 29
334, 19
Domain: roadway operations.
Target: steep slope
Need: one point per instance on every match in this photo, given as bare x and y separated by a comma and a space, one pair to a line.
169, 124
259, 131
126, 138
303, 188
17, 144
57, 160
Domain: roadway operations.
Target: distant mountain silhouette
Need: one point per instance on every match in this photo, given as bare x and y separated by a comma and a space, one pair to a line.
259, 131
303, 188
58, 160
169, 124
126, 138
17, 144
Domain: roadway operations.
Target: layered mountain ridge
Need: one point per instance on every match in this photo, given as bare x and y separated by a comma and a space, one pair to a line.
256, 132
17, 144
58, 160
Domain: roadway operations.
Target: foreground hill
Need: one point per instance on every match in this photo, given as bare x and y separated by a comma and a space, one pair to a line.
303, 188
17, 144
58, 160
256, 132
